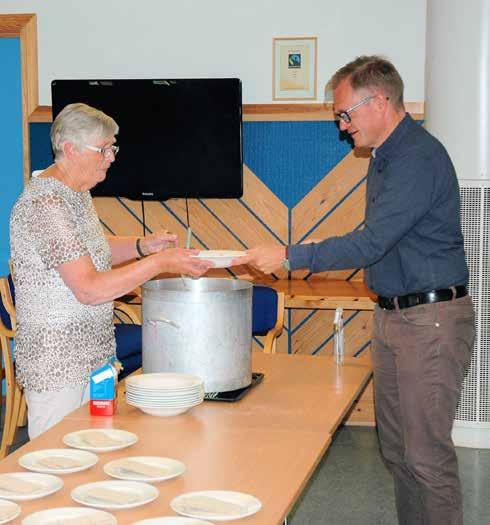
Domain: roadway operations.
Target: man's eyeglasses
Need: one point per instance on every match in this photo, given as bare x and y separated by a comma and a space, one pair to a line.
345, 115
106, 152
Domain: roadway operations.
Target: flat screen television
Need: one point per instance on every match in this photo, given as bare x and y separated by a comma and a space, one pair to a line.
178, 137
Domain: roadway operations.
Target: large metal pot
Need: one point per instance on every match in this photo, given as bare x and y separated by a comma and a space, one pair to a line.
201, 327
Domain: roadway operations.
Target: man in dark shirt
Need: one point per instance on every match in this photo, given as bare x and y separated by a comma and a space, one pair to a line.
412, 249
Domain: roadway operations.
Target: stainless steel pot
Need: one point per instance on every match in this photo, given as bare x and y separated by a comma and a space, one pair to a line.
201, 327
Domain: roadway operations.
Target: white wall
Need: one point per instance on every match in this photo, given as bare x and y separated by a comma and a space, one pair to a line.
458, 83
219, 38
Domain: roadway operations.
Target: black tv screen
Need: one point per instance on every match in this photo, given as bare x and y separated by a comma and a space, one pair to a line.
178, 137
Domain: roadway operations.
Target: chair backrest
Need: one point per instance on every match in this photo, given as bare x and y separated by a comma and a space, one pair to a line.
267, 315
15, 406
8, 319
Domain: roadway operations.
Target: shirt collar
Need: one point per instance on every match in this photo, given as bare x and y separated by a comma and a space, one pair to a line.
396, 136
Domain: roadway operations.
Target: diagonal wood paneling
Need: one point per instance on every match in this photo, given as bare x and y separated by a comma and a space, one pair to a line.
323, 199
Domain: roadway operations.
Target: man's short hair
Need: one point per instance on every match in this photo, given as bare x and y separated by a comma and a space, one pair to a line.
371, 72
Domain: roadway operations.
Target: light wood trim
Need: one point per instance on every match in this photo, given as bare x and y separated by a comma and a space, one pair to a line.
332, 304
24, 27
42, 114
267, 112
312, 112
12, 25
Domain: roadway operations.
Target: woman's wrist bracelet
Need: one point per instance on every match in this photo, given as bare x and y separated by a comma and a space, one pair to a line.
138, 247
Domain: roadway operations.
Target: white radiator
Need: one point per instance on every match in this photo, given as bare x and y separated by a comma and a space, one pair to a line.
472, 423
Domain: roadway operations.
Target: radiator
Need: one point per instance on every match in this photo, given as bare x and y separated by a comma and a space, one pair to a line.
472, 421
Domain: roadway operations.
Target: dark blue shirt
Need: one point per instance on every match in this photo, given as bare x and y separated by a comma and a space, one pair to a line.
412, 240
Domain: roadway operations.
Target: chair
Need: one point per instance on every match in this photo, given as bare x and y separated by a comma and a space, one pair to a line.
15, 404
128, 338
267, 315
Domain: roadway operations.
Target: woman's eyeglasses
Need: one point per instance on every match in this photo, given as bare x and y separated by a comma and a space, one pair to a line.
106, 152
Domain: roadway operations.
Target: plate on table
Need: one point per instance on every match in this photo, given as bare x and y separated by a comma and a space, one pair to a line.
8, 511
166, 381
218, 505
172, 520
28, 485
220, 258
144, 468
58, 516
58, 460
164, 412
100, 440
114, 494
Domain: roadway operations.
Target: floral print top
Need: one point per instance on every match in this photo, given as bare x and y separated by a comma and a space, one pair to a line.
59, 340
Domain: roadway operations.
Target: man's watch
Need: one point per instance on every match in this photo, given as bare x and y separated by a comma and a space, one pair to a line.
285, 263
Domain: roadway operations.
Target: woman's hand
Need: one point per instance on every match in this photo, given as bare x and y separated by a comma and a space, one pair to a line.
156, 242
180, 261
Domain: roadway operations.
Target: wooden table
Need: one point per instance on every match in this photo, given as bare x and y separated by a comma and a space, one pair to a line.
268, 444
325, 294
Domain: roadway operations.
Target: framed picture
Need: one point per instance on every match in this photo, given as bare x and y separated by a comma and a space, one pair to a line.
294, 68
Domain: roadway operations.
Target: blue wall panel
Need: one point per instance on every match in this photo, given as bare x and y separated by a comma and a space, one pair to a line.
292, 157
11, 147
289, 157
40, 145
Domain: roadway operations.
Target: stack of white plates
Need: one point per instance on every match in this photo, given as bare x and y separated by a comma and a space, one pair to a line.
164, 394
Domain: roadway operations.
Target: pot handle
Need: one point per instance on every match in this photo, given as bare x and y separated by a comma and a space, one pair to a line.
153, 322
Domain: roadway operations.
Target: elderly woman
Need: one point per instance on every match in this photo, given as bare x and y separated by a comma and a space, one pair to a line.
62, 268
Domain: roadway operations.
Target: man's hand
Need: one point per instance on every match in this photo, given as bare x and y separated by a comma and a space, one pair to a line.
265, 257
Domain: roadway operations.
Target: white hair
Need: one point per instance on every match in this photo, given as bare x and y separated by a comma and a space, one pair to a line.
79, 123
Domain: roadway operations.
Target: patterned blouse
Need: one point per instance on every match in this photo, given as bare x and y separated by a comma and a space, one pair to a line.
59, 340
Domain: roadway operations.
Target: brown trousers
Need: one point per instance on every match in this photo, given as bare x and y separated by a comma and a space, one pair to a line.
420, 355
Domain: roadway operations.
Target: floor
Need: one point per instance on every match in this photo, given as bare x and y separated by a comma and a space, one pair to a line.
351, 485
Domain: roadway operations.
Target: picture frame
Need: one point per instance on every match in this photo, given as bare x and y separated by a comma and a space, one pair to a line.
294, 70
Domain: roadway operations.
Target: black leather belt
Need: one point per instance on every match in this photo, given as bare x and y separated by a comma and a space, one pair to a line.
413, 299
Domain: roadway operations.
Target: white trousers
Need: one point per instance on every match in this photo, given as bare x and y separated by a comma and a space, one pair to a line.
45, 409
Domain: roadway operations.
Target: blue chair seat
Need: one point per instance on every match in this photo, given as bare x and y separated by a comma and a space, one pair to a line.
128, 347
264, 309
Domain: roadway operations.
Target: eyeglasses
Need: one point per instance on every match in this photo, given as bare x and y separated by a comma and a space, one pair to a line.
345, 115
106, 152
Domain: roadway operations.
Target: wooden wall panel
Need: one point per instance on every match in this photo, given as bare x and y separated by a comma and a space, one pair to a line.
322, 200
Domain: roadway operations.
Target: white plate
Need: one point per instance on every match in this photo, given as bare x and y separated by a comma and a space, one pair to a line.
156, 397
12, 508
172, 520
31, 461
49, 484
220, 258
163, 412
53, 516
174, 467
164, 381
188, 505
157, 404
143, 491
75, 439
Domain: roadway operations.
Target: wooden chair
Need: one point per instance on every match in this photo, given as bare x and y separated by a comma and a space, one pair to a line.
267, 315
15, 404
